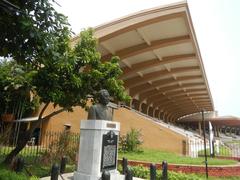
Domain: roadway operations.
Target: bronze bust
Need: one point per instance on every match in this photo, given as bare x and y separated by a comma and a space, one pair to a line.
101, 111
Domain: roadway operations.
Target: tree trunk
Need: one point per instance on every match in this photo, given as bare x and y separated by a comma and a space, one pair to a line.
20, 145
24, 139
28, 134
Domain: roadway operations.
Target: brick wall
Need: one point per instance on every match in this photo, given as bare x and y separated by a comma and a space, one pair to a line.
229, 170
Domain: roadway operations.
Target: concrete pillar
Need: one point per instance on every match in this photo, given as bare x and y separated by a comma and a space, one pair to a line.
140, 106
218, 131
165, 117
168, 117
148, 110
200, 128
130, 103
154, 111
215, 131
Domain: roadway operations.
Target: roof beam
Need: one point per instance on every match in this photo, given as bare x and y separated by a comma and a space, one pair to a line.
155, 62
136, 25
189, 110
163, 82
141, 48
172, 94
181, 100
194, 102
155, 92
132, 82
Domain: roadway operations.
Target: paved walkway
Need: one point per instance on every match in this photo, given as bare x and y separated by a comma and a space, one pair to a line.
69, 176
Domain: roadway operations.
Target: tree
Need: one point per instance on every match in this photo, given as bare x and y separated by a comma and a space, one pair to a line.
37, 37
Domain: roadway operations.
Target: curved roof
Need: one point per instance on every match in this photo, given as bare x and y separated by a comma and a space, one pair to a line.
160, 59
213, 118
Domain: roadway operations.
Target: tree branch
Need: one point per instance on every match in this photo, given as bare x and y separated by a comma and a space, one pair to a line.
53, 114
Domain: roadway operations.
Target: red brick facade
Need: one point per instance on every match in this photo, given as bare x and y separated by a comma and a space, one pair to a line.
229, 170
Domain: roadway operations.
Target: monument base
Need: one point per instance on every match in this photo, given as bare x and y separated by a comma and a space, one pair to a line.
113, 176
95, 155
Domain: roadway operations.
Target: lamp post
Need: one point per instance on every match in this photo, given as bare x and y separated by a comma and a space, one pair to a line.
205, 150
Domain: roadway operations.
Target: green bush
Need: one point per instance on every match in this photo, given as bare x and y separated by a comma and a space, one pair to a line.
131, 142
142, 172
65, 145
10, 175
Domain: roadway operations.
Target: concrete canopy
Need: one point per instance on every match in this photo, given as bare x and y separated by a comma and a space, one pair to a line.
160, 59
213, 118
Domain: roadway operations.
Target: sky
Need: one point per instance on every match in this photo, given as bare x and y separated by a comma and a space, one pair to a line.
217, 27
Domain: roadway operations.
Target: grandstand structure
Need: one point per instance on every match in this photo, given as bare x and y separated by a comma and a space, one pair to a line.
162, 66
164, 74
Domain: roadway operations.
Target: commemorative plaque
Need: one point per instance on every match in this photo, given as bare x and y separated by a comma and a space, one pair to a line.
109, 151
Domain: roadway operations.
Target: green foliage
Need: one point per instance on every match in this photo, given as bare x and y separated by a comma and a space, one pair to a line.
37, 39
142, 172
6, 174
15, 87
65, 145
32, 31
157, 156
131, 142
68, 80
223, 151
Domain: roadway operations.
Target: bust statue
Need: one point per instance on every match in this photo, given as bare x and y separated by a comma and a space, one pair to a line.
101, 111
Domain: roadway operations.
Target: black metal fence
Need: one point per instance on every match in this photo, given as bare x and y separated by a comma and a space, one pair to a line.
49, 144
195, 148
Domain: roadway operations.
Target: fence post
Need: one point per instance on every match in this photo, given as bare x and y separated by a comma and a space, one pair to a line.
19, 164
153, 173
128, 175
54, 172
63, 164
164, 170
124, 165
105, 175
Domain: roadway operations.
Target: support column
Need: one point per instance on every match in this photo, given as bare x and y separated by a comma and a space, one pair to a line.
165, 117
218, 129
140, 107
159, 114
199, 128
148, 110
154, 110
130, 103
168, 117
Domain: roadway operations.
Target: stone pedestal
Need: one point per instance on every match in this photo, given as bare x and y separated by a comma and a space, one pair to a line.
94, 156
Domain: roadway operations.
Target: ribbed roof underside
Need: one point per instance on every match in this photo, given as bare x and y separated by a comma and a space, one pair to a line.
160, 59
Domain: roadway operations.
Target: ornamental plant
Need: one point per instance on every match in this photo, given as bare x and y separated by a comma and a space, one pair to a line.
38, 38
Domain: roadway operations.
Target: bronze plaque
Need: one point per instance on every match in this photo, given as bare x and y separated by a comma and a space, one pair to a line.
109, 151
111, 125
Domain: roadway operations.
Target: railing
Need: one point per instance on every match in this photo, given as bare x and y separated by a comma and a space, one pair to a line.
219, 148
50, 143
174, 128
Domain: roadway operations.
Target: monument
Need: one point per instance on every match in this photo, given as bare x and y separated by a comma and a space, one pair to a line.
98, 142
101, 111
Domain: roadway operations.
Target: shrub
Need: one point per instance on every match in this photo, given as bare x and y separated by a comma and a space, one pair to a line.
10, 175
66, 145
131, 142
142, 172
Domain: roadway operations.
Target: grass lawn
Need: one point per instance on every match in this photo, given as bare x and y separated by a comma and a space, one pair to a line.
223, 151
37, 170
158, 156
